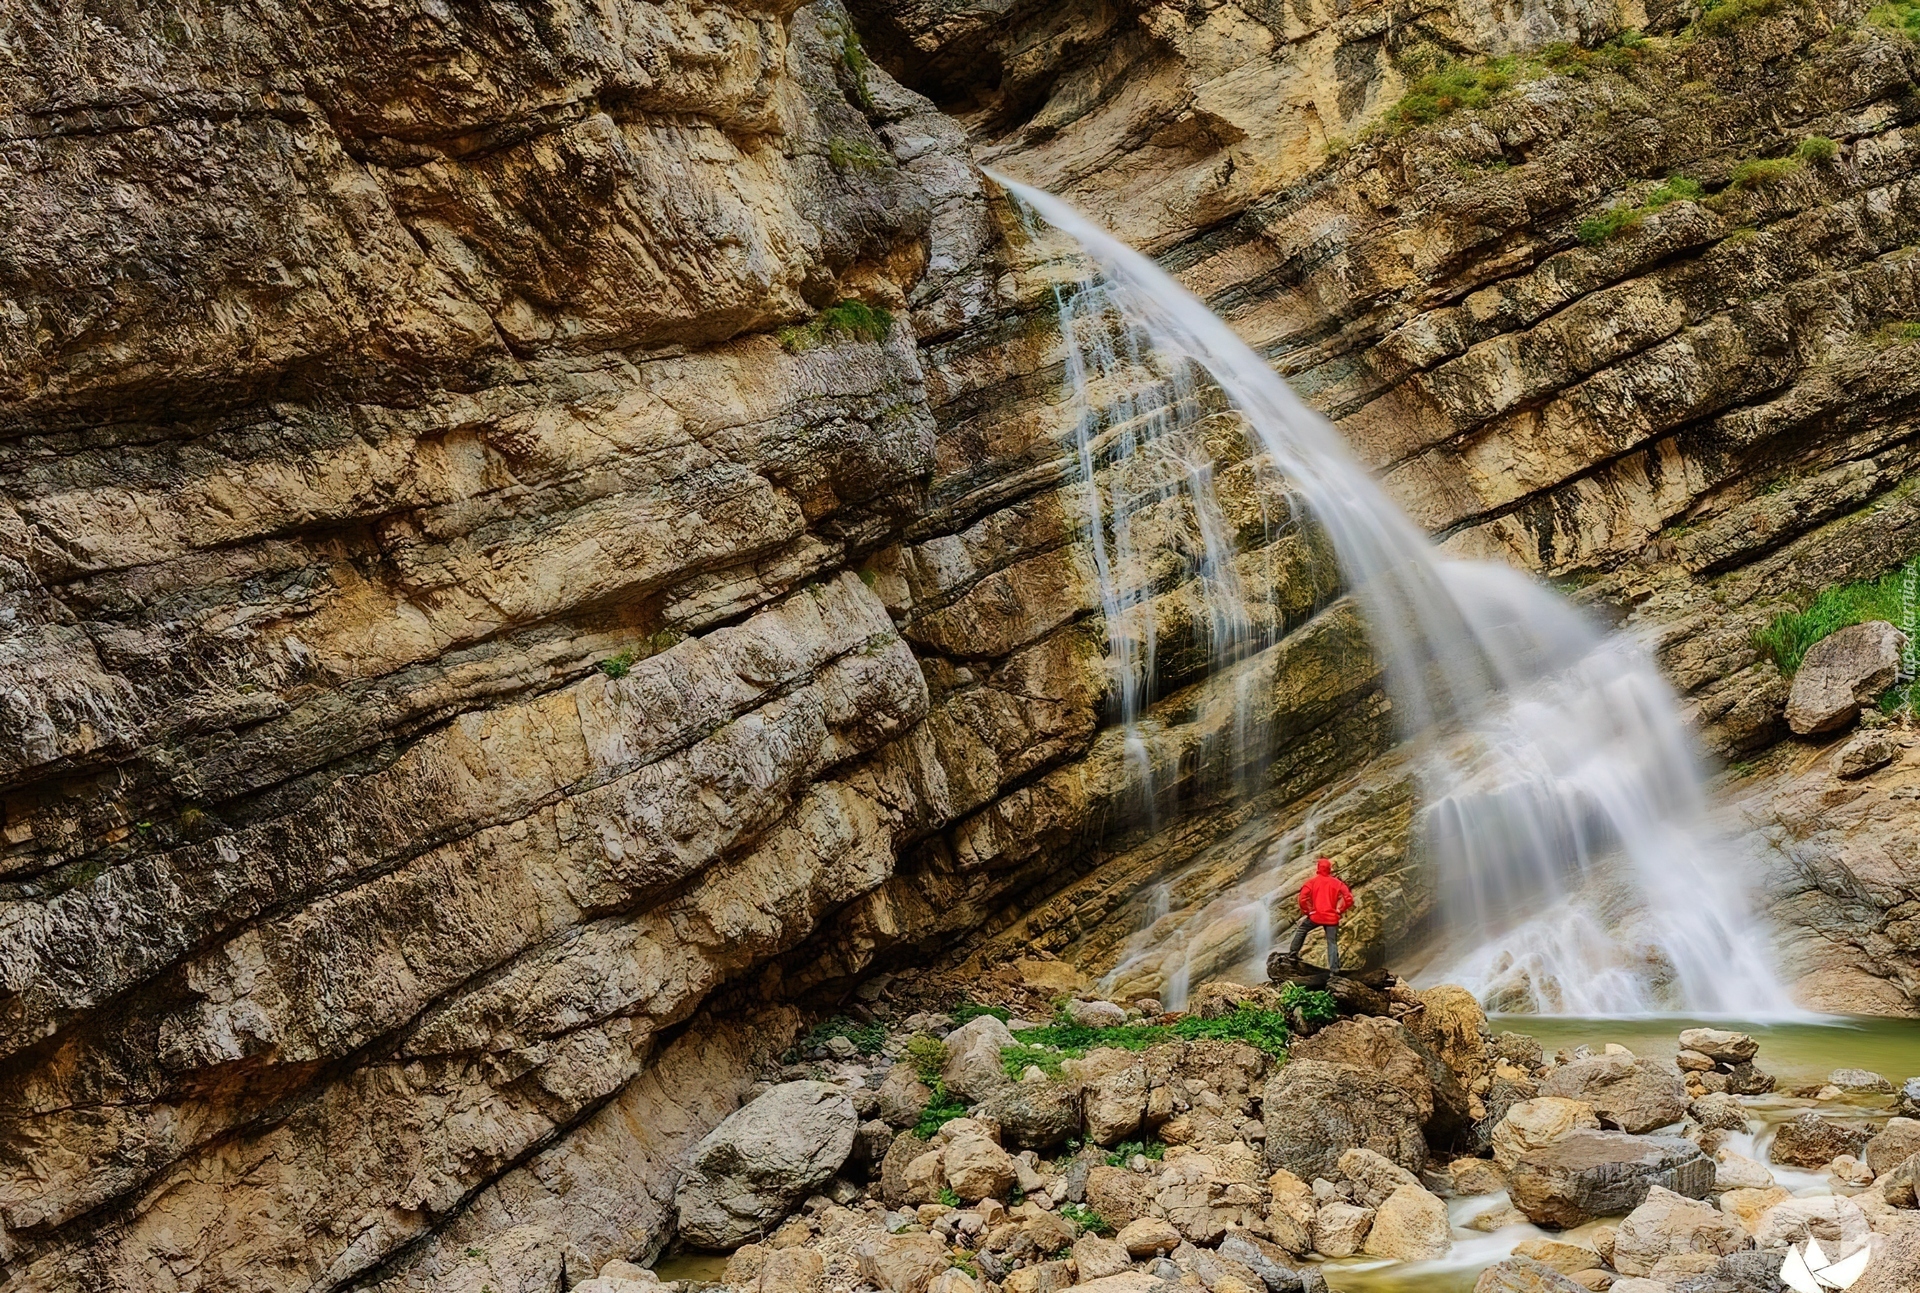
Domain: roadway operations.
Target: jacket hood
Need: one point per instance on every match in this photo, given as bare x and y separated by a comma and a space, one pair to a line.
1324, 866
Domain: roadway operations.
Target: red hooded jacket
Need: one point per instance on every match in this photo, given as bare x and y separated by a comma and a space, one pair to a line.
1324, 899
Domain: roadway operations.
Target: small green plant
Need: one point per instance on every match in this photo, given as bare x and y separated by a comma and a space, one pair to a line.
854, 320
940, 1111
1901, 330
1762, 172
1817, 149
948, 1198
927, 1054
1623, 216
1089, 1221
1744, 768
1787, 638
620, 664
1316, 1005
857, 63
966, 1268
475, 1252
1123, 1153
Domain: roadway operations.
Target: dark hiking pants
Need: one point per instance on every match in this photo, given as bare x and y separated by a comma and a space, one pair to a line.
1300, 933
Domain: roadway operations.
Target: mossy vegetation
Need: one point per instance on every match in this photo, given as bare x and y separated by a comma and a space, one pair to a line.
1787, 638
1901, 16
855, 155
1623, 216
857, 63
850, 320
1718, 17
1450, 85
621, 662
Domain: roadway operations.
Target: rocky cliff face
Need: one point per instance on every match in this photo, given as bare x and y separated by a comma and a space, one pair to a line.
465, 665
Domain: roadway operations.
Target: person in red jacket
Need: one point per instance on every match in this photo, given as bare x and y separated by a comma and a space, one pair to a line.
1323, 901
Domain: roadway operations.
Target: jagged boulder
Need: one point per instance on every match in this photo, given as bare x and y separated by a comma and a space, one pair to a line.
1034, 1115
1842, 672
1524, 1275
973, 1069
1666, 1224
750, 1171
1588, 1174
1537, 1123
1384, 1047
1897, 1141
1628, 1093
1315, 1111
1811, 1140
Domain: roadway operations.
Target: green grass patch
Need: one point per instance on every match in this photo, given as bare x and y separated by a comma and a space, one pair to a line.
1901, 330
948, 1199
1762, 172
1048, 1046
619, 664
1089, 1221
1123, 1153
857, 63
1264, 1029
851, 320
1788, 638
1902, 16
1623, 216
868, 1039
965, 1011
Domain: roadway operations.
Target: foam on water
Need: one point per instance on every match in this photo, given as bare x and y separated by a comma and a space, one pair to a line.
1562, 801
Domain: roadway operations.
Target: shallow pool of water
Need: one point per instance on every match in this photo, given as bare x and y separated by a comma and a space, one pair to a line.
1798, 1054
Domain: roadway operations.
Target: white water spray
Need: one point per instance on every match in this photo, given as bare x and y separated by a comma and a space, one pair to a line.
1563, 799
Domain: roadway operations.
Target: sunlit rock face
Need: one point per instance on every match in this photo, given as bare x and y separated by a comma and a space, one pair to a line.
461, 674
1693, 417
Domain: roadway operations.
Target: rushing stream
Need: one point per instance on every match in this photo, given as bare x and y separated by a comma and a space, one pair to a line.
1562, 799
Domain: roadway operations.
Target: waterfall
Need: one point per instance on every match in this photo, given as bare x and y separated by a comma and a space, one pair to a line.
1562, 800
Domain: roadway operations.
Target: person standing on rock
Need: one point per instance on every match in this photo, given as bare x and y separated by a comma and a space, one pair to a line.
1324, 899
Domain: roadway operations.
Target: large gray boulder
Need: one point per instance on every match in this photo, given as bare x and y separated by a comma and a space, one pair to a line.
974, 1070
751, 1170
1841, 673
1628, 1093
1588, 1174
1035, 1115
1385, 1047
1315, 1111
1666, 1224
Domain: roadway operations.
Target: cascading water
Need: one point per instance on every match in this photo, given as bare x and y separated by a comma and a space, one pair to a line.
1562, 798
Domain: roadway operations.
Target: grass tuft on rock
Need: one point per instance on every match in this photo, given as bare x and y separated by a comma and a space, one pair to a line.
850, 320
1623, 216
1449, 88
1761, 172
1788, 638
1086, 1218
1902, 16
1817, 149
